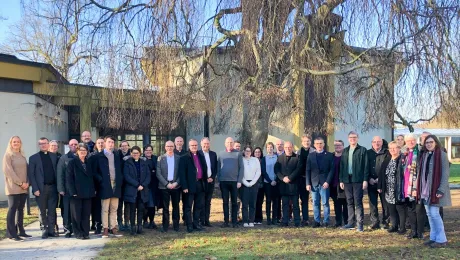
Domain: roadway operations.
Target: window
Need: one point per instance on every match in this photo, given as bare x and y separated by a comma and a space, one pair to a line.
455, 149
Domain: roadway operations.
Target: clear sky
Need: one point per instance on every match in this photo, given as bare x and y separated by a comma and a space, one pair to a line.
11, 11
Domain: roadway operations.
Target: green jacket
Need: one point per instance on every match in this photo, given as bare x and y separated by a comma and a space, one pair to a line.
360, 165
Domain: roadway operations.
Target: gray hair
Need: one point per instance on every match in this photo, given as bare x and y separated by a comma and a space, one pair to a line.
410, 137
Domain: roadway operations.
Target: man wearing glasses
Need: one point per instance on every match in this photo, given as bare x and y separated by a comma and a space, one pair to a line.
169, 184
42, 176
354, 173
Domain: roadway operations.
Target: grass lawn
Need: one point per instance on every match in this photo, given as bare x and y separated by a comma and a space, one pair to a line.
27, 219
454, 176
266, 242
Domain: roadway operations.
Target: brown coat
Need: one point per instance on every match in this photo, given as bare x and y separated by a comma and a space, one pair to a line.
15, 170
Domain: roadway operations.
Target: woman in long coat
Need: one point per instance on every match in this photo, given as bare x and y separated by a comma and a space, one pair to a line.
137, 179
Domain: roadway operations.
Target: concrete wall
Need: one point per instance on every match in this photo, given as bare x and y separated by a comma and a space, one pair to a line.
20, 115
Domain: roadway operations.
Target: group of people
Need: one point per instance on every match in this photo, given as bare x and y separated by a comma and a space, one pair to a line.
97, 186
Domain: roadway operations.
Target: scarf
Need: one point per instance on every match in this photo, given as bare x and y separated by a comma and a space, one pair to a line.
437, 174
411, 188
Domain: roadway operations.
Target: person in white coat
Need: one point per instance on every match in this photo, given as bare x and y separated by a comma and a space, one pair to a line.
250, 186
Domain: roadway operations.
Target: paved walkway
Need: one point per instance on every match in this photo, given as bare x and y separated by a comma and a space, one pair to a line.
51, 248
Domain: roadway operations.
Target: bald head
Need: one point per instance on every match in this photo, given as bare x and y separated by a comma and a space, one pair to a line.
279, 146
73, 144
169, 147
229, 143
377, 143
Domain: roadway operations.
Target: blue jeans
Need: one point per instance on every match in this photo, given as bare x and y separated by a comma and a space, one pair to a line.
317, 191
437, 233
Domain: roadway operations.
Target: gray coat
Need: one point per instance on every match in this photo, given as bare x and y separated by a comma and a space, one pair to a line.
162, 171
444, 201
35, 171
61, 172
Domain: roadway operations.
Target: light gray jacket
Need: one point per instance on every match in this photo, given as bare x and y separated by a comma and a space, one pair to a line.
162, 171
445, 200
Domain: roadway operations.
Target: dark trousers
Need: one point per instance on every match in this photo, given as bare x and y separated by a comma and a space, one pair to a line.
66, 215
149, 214
249, 199
271, 201
397, 215
229, 190
206, 212
354, 194
80, 211
295, 206
172, 196
416, 213
195, 201
96, 217
123, 211
260, 201
373, 205
304, 197
139, 207
340, 207
47, 202
15, 215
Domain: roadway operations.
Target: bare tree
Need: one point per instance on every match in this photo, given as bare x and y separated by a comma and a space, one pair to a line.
266, 61
54, 32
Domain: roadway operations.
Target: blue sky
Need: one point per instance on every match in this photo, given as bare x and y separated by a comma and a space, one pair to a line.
11, 11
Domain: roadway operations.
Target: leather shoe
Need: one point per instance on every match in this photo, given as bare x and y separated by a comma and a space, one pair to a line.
163, 230
16, 239
53, 234
198, 228
225, 225
438, 245
392, 230
412, 235
207, 224
44, 234
68, 235
24, 235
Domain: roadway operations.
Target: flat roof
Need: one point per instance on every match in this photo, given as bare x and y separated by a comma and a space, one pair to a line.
435, 131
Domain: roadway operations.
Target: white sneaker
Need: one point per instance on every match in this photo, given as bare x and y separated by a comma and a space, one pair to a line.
245, 225
251, 224
258, 223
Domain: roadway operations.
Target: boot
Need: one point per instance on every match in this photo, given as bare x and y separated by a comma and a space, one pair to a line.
105, 234
139, 229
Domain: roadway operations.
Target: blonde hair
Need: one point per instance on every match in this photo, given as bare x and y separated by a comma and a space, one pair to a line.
9, 147
394, 143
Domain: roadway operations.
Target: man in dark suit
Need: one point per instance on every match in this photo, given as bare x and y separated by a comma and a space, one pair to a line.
193, 174
319, 173
61, 186
211, 164
287, 170
42, 177
169, 184
107, 172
